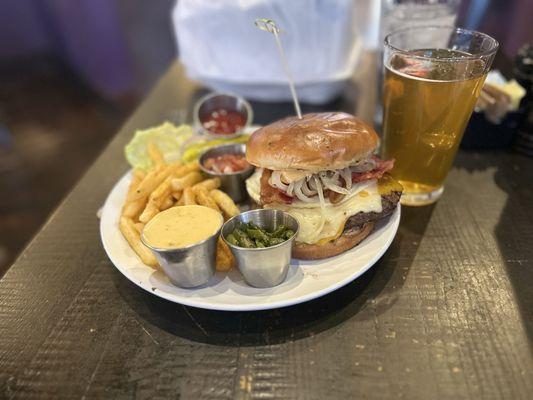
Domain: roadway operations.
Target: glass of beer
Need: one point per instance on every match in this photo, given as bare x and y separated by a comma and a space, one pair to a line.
433, 77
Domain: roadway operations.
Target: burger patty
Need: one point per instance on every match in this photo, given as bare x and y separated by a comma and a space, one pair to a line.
388, 204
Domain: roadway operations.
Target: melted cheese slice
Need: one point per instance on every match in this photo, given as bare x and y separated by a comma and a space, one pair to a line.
253, 185
364, 197
310, 218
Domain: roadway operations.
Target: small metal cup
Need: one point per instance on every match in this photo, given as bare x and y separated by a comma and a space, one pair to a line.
190, 266
233, 184
227, 101
263, 267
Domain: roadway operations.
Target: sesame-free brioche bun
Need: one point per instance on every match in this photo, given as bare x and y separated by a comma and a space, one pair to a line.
317, 142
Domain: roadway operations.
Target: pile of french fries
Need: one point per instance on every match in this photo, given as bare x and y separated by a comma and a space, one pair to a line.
171, 185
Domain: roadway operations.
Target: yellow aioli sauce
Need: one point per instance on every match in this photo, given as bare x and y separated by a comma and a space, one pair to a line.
182, 226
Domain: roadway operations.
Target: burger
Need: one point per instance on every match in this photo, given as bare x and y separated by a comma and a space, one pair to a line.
321, 169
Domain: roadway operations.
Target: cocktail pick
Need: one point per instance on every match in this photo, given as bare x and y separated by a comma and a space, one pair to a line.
269, 25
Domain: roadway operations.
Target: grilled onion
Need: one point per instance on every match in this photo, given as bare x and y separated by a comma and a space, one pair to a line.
346, 174
339, 181
330, 183
298, 185
290, 189
322, 201
275, 180
306, 189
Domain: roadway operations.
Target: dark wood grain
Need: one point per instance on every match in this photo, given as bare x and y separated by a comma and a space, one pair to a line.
50, 119
446, 313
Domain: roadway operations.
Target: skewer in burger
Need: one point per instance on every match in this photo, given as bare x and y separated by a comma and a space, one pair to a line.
322, 170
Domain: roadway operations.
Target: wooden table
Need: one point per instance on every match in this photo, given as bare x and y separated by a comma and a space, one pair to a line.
446, 313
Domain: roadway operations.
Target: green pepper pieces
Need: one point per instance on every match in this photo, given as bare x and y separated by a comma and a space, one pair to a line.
249, 235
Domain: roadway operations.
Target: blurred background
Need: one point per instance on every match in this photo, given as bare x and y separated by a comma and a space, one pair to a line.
72, 71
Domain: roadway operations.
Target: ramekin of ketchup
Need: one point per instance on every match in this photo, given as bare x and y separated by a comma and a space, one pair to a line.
222, 114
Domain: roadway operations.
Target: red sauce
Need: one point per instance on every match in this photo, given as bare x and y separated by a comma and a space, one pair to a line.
227, 163
223, 122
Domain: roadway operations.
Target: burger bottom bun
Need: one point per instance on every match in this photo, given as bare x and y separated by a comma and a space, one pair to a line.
346, 241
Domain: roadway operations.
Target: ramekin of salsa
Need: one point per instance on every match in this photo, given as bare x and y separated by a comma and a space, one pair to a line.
228, 163
222, 115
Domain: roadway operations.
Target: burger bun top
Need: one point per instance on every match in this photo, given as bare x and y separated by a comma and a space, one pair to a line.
317, 142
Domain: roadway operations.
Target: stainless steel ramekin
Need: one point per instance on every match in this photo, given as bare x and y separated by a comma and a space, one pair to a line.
233, 184
227, 101
189, 266
268, 266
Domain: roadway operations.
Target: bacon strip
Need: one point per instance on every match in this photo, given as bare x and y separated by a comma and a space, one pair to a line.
382, 166
271, 194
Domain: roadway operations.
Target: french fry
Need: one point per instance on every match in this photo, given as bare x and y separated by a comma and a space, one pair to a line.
145, 187
225, 203
161, 192
132, 209
156, 156
176, 165
151, 181
149, 212
182, 170
208, 184
188, 197
139, 226
136, 178
169, 169
167, 203
153, 206
203, 198
127, 227
177, 195
138, 175
190, 179
224, 259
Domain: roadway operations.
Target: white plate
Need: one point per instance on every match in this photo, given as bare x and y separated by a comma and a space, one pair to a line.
227, 291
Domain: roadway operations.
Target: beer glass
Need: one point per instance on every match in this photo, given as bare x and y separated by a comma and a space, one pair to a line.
433, 76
